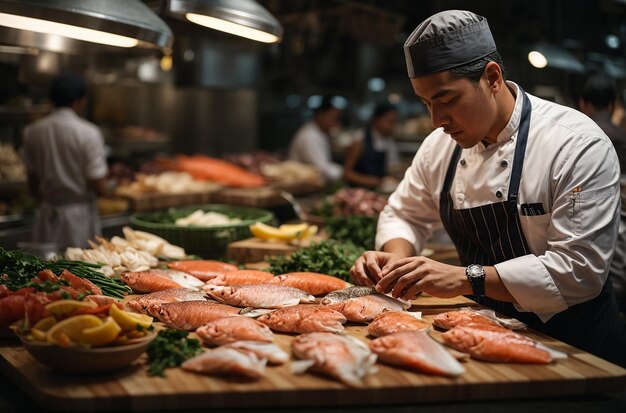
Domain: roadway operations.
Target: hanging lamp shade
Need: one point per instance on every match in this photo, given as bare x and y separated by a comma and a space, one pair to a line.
50, 23
245, 18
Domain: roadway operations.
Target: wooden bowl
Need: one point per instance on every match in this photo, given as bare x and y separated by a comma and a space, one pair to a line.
77, 360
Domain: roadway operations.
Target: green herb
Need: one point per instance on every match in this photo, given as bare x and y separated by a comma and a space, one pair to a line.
65, 295
331, 257
170, 348
360, 230
81, 296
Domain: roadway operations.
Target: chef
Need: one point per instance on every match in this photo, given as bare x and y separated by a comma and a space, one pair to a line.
66, 163
311, 143
527, 190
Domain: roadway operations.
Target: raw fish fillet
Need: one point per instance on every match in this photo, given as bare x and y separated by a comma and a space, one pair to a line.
223, 361
230, 329
311, 282
258, 296
304, 318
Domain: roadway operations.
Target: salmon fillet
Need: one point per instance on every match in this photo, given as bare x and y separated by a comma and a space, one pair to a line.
241, 277
418, 351
189, 315
311, 282
495, 343
230, 329
342, 357
452, 319
202, 269
364, 309
217, 170
269, 351
258, 296
229, 362
389, 322
304, 318
80, 284
147, 282
151, 303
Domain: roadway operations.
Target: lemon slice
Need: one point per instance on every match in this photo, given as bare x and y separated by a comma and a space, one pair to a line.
309, 232
293, 227
40, 329
103, 334
72, 329
63, 308
263, 231
129, 321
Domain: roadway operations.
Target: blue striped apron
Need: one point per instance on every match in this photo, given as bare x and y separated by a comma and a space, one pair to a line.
492, 233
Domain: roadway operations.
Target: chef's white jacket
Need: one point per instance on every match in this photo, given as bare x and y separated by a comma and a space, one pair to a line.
65, 151
570, 167
310, 145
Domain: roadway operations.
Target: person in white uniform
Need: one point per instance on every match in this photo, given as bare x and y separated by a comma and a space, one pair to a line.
311, 143
66, 163
527, 190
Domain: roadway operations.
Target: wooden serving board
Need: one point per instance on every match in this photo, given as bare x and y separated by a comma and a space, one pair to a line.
257, 250
154, 201
133, 390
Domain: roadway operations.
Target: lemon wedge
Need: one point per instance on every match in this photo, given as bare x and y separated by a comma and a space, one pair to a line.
103, 334
41, 328
129, 321
72, 329
63, 308
284, 232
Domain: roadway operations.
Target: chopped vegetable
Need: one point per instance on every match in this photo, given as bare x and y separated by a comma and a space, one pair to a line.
170, 349
360, 230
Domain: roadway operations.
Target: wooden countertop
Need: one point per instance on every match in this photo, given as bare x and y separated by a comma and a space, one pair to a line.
132, 390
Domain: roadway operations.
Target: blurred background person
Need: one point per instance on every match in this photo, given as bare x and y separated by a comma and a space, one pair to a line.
368, 162
66, 164
311, 143
598, 100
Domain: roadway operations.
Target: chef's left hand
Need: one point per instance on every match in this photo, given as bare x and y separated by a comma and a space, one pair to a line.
407, 277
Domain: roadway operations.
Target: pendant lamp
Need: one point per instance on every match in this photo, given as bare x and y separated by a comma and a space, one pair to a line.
245, 18
49, 23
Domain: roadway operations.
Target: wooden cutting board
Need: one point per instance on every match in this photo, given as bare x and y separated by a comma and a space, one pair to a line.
257, 250
154, 201
133, 390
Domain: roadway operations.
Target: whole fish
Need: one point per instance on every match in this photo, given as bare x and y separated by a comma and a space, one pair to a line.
495, 343
364, 309
269, 351
389, 322
416, 350
151, 303
347, 293
342, 357
304, 318
311, 282
156, 280
241, 277
258, 296
230, 329
202, 269
229, 362
189, 315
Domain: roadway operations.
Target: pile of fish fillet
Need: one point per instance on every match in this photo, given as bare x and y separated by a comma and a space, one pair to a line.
236, 313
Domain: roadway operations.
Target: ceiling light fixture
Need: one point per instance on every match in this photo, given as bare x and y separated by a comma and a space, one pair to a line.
120, 23
245, 18
554, 56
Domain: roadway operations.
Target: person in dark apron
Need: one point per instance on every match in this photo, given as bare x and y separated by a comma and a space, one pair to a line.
456, 71
366, 160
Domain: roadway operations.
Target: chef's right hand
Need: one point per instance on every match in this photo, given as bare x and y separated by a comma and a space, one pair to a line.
367, 268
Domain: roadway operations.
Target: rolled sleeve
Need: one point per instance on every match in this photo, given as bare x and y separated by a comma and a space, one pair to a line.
531, 286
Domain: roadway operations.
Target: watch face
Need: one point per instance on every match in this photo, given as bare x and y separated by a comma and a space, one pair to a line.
476, 271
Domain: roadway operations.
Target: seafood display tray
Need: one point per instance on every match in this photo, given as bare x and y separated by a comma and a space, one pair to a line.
132, 390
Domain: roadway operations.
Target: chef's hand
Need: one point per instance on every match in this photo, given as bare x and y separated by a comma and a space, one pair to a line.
367, 268
408, 277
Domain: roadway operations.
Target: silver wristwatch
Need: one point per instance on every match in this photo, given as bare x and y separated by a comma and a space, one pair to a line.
476, 276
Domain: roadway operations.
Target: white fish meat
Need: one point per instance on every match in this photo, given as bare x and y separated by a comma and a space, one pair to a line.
223, 361
258, 296
269, 351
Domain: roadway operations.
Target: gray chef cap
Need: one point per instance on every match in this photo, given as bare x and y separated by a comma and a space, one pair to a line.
446, 40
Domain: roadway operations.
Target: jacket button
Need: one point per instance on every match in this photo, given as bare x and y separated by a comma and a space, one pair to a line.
462, 162
504, 164
499, 194
460, 197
